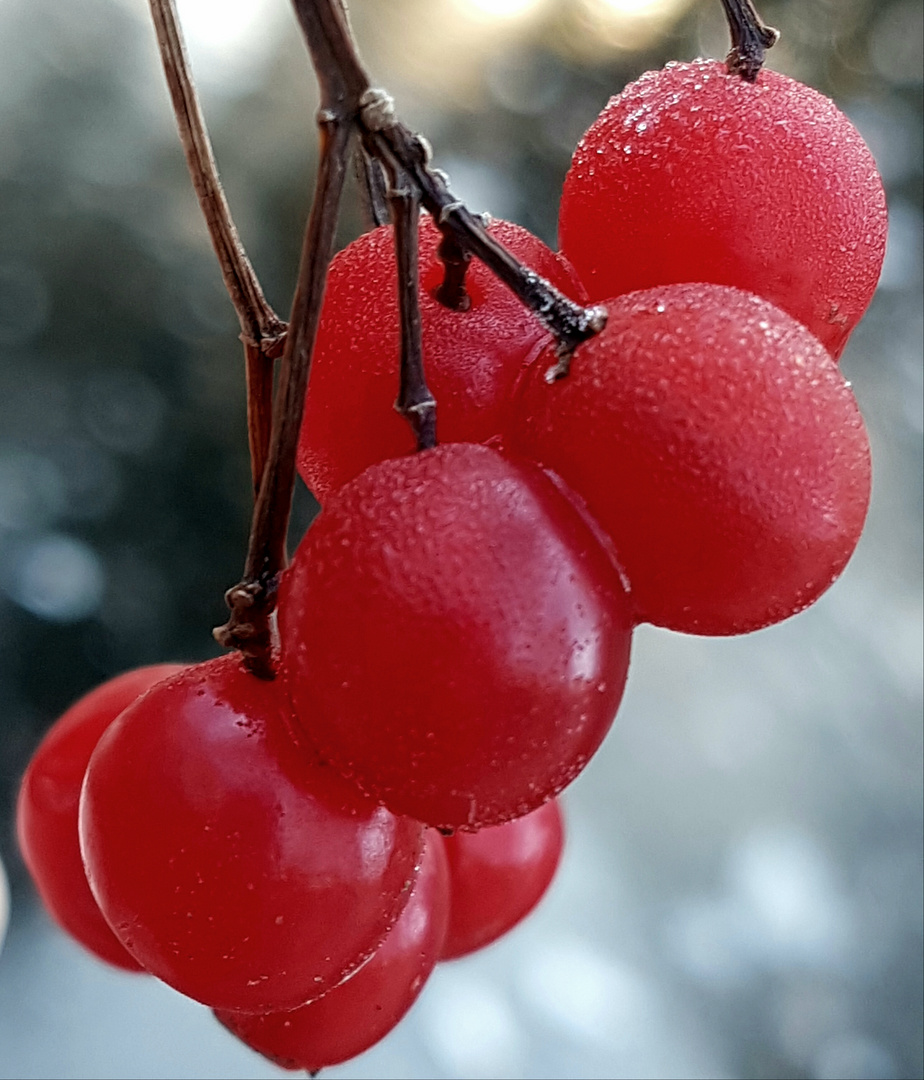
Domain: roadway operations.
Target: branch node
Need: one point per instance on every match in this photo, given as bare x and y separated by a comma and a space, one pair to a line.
376, 109
447, 211
249, 627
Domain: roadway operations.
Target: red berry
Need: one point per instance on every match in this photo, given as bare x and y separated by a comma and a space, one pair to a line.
456, 638
229, 860
497, 876
718, 445
472, 357
363, 1009
46, 811
692, 174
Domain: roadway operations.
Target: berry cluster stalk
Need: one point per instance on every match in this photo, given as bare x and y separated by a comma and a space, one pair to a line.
353, 118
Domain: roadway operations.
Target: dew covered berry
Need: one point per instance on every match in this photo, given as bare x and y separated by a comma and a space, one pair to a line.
228, 858
46, 810
717, 443
473, 357
360, 1011
693, 174
497, 876
455, 636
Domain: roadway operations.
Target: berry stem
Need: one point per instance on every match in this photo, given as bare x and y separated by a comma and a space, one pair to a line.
455, 259
569, 322
751, 37
258, 368
372, 186
415, 402
252, 600
262, 331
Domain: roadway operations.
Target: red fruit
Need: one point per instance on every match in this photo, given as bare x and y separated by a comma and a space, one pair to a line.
455, 636
692, 174
363, 1009
229, 860
473, 358
718, 445
497, 876
46, 811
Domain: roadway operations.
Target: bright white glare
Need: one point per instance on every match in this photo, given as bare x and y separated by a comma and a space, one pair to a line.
640, 9
221, 24
230, 40
630, 24
634, 7
500, 9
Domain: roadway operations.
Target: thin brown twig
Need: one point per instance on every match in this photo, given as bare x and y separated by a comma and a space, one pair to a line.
569, 322
372, 187
258, 369
262, 331
252, 600
455, 258
415, 402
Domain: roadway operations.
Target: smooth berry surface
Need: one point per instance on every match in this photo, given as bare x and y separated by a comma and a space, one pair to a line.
497, 876
363, 1009
46, 810
692, 174
473, 358
228, 859
717, 443
456, 638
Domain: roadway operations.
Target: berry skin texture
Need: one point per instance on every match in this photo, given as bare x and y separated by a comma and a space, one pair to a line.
362, 1010
718, 445
497, 876
692, 174
46, 810
473, 357
456, 639
229, 861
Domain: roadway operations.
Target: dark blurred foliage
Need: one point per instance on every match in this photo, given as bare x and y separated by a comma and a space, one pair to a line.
124, 480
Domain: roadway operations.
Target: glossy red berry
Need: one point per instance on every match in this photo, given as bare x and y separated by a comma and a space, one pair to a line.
362, 1010
497, 876
473, 357
46, 811
718, 445
456, 638
692, 174
229, 860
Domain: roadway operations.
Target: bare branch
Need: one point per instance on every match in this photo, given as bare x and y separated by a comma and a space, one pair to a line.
415, 402
372, 187
259, 323
253, 599
455, 259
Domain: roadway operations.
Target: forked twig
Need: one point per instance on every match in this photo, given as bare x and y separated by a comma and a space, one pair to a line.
262, 331
253, 599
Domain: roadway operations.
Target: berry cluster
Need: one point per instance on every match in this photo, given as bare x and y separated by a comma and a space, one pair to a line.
454, 630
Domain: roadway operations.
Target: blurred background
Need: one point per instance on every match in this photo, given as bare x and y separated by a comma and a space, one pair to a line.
742, 892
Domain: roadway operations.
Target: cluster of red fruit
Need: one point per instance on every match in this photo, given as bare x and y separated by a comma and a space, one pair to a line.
455, 628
